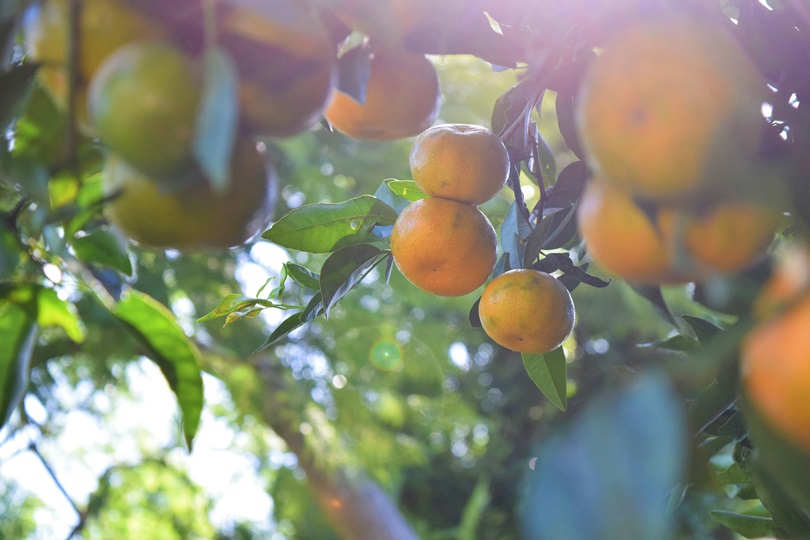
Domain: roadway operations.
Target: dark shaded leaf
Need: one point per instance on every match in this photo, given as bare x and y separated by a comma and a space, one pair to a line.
344, 269
514, 230
549, 373
677, 343
610, 473
705, 330
548, 164
354, 69
282, 330
16, 85
325, 227
570, 184
18, 329
303, 276
156, 328
217, 119
567, 123
653, 294
474, 317
104, 248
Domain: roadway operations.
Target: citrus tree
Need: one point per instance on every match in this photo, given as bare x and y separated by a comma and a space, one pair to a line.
154, 150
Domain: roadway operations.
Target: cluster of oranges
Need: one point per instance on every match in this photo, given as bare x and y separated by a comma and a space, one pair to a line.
445, 245
139, 81
670, 117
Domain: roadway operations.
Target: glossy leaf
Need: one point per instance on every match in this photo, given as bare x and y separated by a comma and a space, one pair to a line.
389, 197
549, 373
289, 324
104, 248
567, 123
608, 474
407, 189
344, 269
303, 276
514, 230
217, 118
174, 353
325, 227
18, 329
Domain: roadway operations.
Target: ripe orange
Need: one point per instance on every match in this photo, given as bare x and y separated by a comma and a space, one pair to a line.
193, 216
143, 105
620, 237
527, 311
465, 163
776, 354
672, 244
104, 26
402, 99
286, 67
444, 247
670, 104
727, 237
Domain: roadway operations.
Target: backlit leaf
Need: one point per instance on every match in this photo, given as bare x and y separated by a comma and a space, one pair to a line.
548, 372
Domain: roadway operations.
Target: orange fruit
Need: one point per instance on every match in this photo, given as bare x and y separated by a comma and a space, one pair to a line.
286, 66
444, 247
672, 244
192, 216
104, 26
671, 103
462, 162
727, 237
527, 311
143, 105
775, 358
621, 237
402, 99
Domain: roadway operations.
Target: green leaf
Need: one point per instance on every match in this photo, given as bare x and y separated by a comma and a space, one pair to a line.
10, 251
745, 525
609, 473
678, 343
548, 163
704, 330
565, 120
407, 189
217, 118
18, 329
102, 247
325, 227
387, 195
473, 510
287, 325
169, 347
303, 276
236, 304
53, 311
549, 374
514, 230
344, 269
16, 85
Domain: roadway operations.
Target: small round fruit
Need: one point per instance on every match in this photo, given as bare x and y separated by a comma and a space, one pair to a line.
444, 247
462, 162
671, 103
527, 311
143, 104
775, 359
286, 67
192, 217
402, 99
104, 26
621, 237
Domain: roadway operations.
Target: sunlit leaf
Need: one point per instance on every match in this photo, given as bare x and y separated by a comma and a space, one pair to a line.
407, 189
325, 227
169, 347
549, 374
303, 276
234, 304
53, 311
745, 525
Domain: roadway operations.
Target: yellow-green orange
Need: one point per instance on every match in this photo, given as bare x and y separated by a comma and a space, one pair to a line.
444, 247
670, 104
527, 311
462, 162
191, 217
104, 26
143, 104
